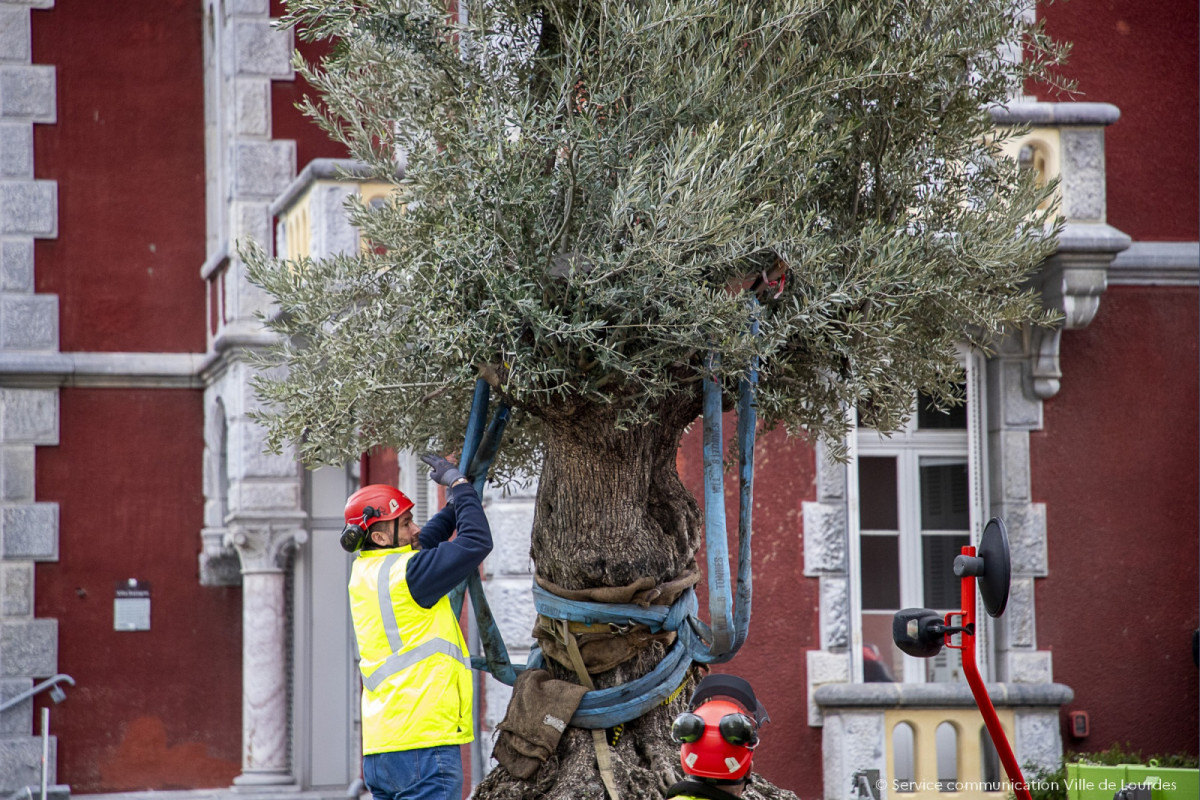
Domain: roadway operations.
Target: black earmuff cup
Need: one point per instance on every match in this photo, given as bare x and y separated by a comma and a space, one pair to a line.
352, 538
687, 728
739, 730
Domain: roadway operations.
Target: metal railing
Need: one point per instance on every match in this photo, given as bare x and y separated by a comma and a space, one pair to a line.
56, 692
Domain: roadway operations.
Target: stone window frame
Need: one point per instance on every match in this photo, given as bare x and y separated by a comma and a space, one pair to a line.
1010, 410
969, 445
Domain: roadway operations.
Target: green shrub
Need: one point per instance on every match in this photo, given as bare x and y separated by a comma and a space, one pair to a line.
1052, 784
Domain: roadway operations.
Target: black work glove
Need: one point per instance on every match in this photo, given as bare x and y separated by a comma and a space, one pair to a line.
441, 470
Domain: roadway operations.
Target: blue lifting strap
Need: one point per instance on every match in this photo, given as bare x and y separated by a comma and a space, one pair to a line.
696, 641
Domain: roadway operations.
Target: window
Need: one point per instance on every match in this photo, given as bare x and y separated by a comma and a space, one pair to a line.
904, 758
919, 497
946, 742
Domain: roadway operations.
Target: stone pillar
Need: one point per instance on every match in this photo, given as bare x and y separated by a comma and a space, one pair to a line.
265, 720
254, 510
28, 409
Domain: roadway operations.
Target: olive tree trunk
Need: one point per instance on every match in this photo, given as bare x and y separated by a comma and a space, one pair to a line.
611, 509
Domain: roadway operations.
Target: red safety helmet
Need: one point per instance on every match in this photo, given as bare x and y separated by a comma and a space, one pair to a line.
719, 734
367, 506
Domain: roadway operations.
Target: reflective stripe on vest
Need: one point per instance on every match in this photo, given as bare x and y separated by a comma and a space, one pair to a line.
399, 661
386, 610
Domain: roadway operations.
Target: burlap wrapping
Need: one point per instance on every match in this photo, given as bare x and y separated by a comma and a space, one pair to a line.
603, 647
538, 713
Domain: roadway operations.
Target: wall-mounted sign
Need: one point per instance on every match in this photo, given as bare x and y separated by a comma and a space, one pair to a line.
131, 608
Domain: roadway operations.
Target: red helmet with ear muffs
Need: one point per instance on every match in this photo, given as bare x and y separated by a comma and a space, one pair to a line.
367, 506
719, 734
718, 740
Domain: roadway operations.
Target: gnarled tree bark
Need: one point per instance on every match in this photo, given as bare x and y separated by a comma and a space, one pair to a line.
611, 509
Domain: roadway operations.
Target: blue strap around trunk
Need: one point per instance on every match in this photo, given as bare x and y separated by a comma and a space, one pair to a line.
696, 641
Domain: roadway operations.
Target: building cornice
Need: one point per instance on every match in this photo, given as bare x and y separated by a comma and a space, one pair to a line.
323, 169
938, 695
108, 370
1157, 264
1057, 115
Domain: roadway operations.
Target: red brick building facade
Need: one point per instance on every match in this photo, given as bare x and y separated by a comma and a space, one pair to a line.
139, 141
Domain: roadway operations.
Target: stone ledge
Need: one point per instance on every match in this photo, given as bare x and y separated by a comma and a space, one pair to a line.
1157, 264
157, 370
938, 695
1092, 237
323, 169
1056, 114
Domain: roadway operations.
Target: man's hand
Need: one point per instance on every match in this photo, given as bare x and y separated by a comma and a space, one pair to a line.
441, 470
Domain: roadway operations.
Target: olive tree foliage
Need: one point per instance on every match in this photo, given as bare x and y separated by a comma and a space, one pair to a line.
585, 192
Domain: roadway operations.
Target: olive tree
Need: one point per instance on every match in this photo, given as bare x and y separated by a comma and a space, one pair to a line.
592, 201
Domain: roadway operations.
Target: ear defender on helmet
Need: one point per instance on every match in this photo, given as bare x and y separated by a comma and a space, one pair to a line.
718, 735
352, 538
687, 728
738, 729
355, 535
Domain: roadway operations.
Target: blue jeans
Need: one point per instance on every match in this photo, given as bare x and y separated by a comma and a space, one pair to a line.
429, 773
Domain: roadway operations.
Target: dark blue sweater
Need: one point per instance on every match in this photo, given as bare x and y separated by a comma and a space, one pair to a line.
439, 564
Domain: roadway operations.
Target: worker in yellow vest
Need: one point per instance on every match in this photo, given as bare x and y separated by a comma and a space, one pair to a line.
717, 735
416, 670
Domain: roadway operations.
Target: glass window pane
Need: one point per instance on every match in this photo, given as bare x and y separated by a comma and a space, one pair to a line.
945, 495
880, 572
882, 660
929, 418
942, 589
877, 494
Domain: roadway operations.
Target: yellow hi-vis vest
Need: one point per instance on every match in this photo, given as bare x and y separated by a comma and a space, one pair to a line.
416, 670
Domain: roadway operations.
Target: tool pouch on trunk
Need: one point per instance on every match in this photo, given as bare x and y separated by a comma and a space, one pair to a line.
537, 715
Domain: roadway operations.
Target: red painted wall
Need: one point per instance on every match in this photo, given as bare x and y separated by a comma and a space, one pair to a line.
128, 154
286, 120
1117, 467
785, 622
157, 709
1142, 57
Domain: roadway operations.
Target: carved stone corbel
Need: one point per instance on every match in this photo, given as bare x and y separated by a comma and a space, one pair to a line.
1071, 282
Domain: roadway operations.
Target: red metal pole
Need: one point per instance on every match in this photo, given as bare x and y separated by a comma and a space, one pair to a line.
975, 681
